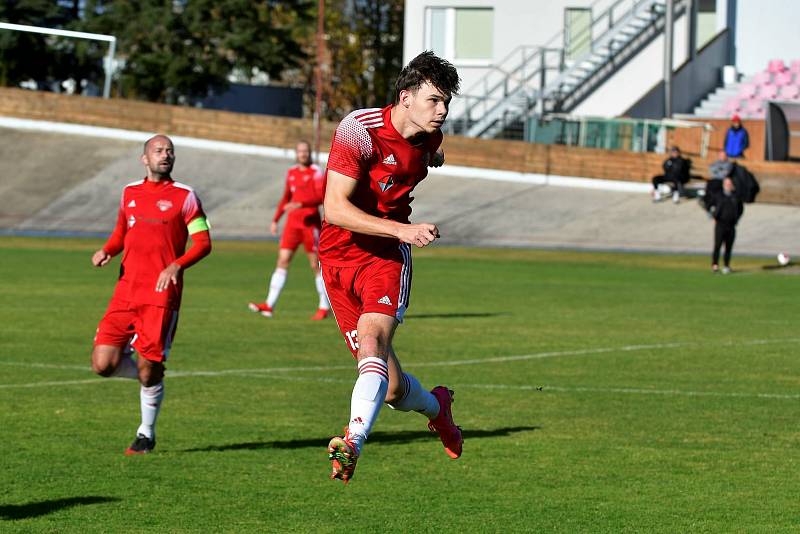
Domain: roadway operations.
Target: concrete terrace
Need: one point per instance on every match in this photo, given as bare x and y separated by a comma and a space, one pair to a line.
63, 183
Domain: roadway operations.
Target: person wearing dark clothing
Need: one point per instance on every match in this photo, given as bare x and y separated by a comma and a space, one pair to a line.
726, 209
719, 170
676, 172
737, 139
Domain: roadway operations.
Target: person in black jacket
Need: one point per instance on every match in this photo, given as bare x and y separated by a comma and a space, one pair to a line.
676, 172
726, 209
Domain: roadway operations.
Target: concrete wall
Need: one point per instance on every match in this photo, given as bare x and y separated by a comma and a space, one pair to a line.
690, 84
516, 23
765, 30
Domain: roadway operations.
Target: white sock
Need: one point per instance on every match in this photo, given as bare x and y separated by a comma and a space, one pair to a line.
275, 286
127, 367
324, 304
369, 392
416, 398
150, 400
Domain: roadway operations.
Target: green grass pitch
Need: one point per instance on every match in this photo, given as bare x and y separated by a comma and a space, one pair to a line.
598, 392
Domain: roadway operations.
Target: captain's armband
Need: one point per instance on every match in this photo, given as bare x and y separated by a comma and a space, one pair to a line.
199, 224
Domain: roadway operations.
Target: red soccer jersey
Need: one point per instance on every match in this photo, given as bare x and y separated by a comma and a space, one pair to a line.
153, 219
307, 186
368, 148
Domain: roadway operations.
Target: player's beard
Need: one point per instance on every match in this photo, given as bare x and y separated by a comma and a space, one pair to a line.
161, 171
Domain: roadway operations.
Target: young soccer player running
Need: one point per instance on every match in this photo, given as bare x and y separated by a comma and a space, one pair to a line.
156, 216
377, 158
305, 188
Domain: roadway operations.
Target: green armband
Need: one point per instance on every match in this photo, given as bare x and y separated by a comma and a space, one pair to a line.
199, 224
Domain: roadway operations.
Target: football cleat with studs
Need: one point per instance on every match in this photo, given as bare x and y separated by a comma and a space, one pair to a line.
343, 456
449, 433
141, 445
261, 308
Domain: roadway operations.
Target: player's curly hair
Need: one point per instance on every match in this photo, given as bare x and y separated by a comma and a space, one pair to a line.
427, 67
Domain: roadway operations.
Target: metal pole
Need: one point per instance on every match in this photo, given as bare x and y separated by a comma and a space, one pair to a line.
693, 13
318, 77
109, 68
668, 31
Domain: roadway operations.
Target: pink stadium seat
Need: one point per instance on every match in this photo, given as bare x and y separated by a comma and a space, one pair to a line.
776, 65
753, 108
762, 77
747, 90
729, 107
790, 92
783, 78
767, 91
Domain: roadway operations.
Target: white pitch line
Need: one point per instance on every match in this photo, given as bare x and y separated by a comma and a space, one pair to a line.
446, 363
54, 383
48, 366
635, 391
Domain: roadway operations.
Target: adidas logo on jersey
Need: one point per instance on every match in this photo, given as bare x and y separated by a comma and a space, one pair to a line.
389, 160
385, 300
132, 204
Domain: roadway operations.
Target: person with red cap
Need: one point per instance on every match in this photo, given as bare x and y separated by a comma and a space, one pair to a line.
736, 139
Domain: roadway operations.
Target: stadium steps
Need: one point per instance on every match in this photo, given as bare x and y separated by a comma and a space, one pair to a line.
511, 90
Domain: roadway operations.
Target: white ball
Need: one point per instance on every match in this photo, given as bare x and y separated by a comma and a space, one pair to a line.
783, 259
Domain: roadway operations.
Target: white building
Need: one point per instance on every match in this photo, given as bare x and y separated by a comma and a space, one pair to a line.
608, 53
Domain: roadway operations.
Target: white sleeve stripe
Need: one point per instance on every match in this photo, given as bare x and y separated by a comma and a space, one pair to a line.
182, 186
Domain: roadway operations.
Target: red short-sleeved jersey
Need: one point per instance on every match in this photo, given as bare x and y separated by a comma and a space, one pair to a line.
307, 186
368, 148
153, 217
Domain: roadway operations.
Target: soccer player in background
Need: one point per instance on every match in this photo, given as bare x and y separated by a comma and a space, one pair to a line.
156, 216
305, 188
376, 159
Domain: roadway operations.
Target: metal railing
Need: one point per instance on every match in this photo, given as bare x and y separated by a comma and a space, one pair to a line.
534, 77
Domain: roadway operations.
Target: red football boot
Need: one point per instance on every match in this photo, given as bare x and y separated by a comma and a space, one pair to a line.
321, 314
449, 433
261, 308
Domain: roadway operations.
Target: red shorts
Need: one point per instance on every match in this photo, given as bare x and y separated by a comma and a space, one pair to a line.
381, 286
149, 329
294, 235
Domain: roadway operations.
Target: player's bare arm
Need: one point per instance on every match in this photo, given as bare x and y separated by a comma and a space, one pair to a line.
339, 210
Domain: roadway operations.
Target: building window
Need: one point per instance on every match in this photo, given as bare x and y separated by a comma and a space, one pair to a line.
577, 31
461, 35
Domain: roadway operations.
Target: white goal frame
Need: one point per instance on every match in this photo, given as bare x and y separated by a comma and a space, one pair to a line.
110, 39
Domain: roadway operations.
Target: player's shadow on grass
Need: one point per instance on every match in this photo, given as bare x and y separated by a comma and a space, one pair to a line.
36, 509
462, 315
376, 437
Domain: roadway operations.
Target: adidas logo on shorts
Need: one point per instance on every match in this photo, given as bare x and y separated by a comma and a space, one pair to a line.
389, 160
385, 300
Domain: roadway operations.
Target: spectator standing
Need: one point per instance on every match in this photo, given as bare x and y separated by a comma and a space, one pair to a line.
726, 209
737, 140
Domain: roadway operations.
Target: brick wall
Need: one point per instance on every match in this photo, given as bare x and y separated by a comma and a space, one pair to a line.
689, 138
780, 181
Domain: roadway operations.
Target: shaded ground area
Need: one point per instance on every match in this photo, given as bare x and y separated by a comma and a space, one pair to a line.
58, 182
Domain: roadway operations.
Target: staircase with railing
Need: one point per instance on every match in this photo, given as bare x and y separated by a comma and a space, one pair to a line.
537, 80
